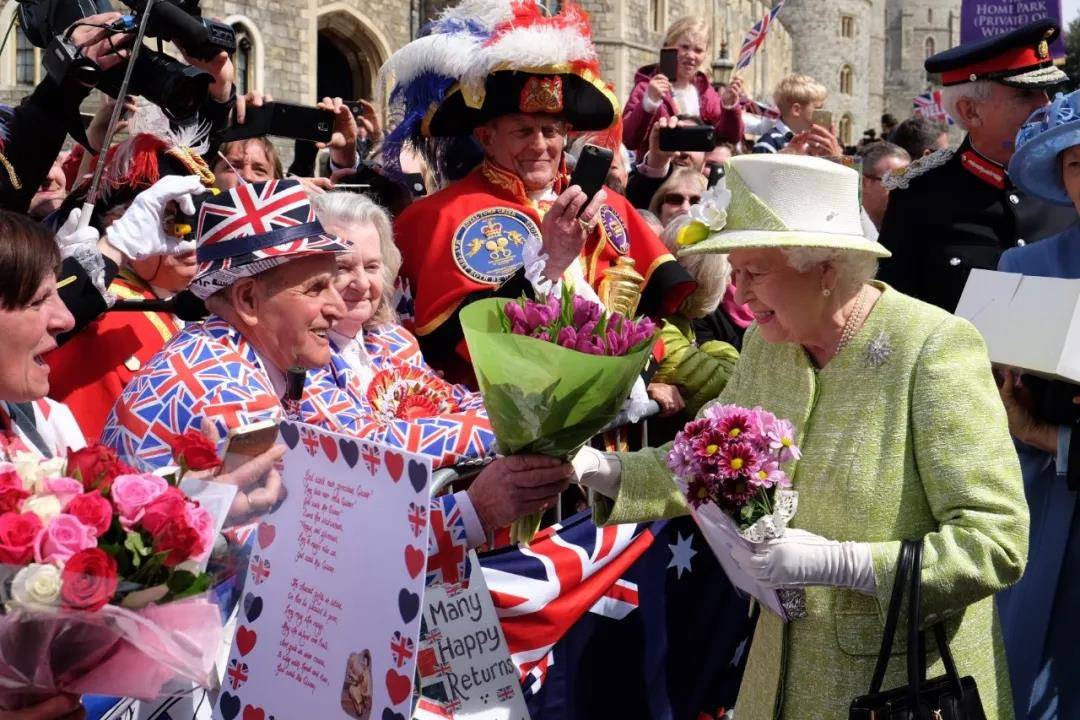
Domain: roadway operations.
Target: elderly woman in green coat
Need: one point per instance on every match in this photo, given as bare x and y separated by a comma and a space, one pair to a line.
902, 432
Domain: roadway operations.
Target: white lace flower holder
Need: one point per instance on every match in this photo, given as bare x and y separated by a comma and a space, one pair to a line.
772, 526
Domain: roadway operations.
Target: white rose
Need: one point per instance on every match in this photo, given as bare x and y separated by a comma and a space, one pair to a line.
45, 507
37, 584
711, 210
33, 469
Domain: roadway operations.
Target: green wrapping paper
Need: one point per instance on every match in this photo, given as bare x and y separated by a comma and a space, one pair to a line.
543, 398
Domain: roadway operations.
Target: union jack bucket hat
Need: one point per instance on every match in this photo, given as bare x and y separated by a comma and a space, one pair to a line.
253, 228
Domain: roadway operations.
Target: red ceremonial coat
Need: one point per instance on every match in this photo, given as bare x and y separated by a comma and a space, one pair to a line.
466, 241
89, 372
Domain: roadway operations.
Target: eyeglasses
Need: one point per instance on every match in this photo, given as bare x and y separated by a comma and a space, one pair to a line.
679, 199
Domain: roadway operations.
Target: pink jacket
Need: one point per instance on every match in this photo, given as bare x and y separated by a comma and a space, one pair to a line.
637, 122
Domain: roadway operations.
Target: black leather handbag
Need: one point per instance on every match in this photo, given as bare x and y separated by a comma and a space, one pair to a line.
949, 697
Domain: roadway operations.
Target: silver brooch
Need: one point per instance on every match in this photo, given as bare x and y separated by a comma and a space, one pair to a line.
878, 351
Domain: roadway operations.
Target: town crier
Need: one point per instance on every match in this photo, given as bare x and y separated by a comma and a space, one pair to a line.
514, 223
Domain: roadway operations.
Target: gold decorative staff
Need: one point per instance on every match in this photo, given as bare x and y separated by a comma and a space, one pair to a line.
620, 289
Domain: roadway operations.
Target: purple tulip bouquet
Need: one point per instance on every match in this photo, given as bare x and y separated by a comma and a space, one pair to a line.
553, 371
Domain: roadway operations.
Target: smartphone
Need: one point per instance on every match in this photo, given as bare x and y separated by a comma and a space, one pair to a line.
696, 138
822, 118
249, 441
591, 171
299, 122
356, 108
669, 62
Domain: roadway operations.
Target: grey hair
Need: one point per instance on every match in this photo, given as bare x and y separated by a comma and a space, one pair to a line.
853, 268
951, 95
344, 208
711, 271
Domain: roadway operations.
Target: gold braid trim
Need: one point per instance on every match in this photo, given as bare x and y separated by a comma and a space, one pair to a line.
193, 162
15, 182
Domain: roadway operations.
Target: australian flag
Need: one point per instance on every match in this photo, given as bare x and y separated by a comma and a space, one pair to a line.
627, 621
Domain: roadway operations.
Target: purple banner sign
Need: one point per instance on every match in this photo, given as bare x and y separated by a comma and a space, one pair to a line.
985, 18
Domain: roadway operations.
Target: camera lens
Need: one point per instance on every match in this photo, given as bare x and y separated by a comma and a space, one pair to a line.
178, 89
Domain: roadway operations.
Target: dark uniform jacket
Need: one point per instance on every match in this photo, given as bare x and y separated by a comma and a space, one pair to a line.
958, 215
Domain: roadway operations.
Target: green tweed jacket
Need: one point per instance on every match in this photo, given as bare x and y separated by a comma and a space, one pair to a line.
903, 436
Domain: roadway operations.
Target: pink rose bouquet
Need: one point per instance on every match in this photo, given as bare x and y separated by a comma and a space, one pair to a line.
101, 581
730, 463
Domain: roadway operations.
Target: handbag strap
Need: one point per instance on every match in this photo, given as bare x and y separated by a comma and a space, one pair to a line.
892, 616
916, 655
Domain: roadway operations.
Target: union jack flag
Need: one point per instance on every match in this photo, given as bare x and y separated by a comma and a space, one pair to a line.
253, 209
929, 106
540, 591
448, 542
755, 38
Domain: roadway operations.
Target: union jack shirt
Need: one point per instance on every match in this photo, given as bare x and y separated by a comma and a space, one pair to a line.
210, 373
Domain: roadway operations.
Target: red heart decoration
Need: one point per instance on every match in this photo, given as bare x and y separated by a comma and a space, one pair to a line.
397, 685
245, 640
266, 534
254, 713
329, 446
414, 560
395, 464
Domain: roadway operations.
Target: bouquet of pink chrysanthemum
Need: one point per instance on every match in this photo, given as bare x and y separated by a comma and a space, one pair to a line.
733, 457
729, 463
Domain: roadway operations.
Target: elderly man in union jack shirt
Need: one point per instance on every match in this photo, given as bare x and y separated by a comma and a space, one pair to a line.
266, 270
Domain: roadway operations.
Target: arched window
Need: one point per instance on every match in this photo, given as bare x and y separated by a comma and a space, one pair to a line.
844, 130
245, 63
248, 59
845, 79
930, 47
27, 60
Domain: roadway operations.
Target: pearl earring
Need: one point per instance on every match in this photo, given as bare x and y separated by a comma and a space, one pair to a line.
826, 292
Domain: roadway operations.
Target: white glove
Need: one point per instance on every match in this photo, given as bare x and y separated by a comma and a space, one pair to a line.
70, 237
800, 558
140, 233
598, 470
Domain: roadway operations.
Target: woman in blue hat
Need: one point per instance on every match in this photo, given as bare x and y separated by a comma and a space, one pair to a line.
1042, 641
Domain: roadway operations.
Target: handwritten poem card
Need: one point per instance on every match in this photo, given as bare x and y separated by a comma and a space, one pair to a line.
331, 608
465, 666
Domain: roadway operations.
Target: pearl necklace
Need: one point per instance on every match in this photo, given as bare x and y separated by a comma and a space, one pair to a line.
851, 325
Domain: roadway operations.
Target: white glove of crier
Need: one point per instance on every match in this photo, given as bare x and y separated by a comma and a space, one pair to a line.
70, 237
140, 233
800, 558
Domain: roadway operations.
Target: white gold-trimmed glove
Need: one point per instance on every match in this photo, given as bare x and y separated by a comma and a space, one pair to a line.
139, 233
800, 559
82, 245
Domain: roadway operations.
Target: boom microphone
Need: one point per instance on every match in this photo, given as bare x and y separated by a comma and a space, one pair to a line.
183, 305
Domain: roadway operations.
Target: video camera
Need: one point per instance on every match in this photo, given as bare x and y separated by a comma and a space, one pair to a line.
179, 89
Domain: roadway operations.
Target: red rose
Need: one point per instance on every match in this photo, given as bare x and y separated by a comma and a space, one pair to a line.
93, 510
178, 538
89, 580
170, 505
17, 533
96, 466
194, 451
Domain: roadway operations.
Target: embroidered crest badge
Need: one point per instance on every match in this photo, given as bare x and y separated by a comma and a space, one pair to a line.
615, 229
488, 245
542, 94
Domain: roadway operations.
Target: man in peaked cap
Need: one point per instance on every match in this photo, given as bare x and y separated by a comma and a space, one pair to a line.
953, 211
520, 91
